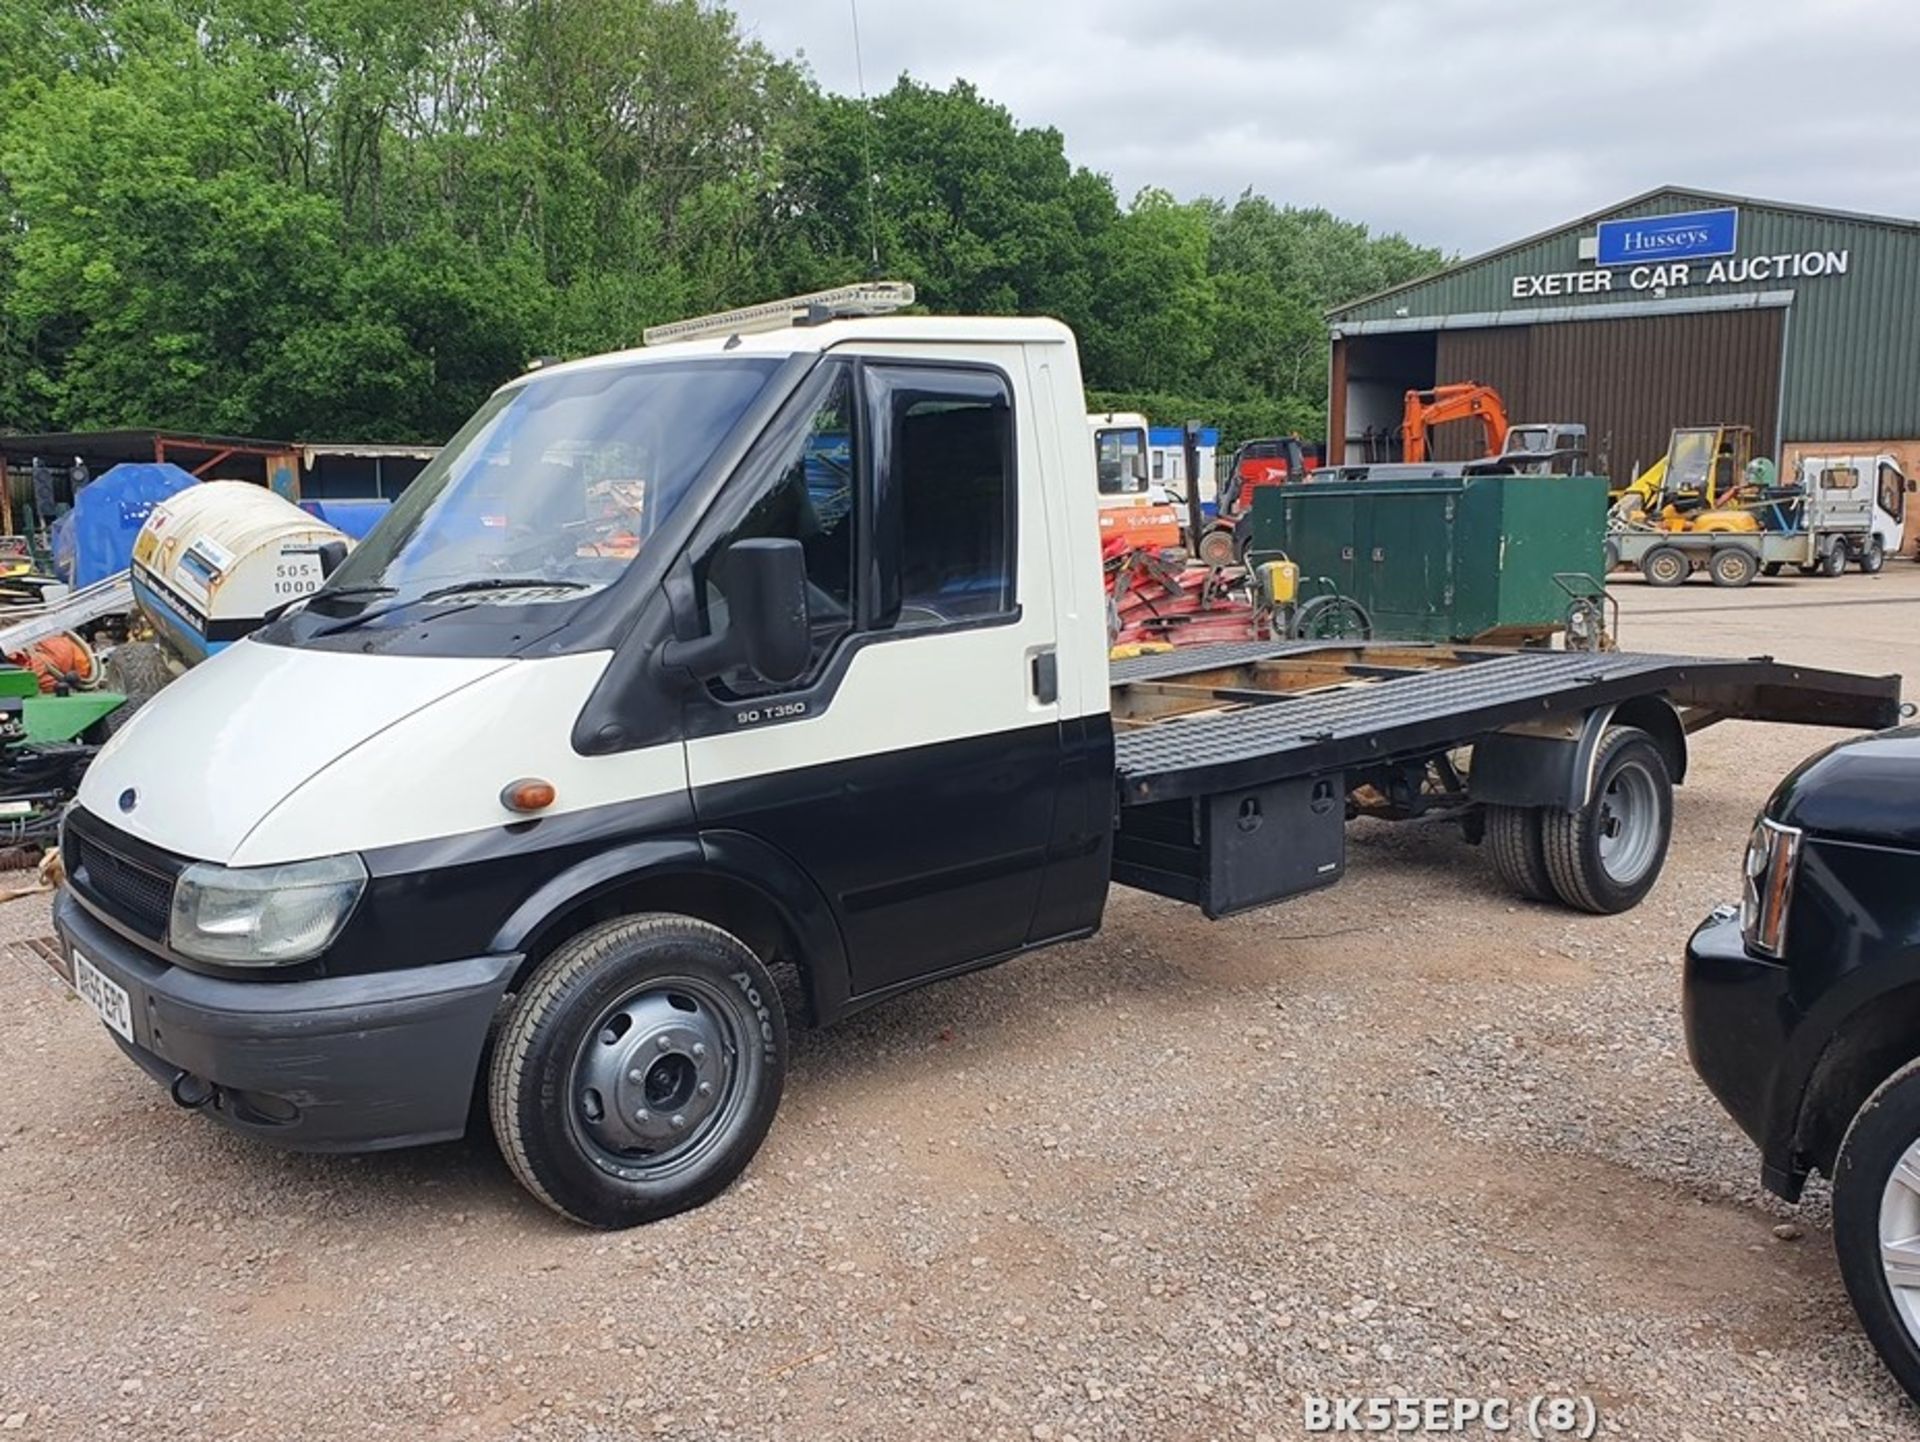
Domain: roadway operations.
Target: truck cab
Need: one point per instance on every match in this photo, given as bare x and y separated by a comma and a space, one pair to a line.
1857, 505
794, 633
1136, 512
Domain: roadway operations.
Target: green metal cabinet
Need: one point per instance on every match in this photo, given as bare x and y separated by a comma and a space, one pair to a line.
1440, 558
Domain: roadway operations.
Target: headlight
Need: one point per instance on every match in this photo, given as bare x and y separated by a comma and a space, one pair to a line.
1773, 855
263, 915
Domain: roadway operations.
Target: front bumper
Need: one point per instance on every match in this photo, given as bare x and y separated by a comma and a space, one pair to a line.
1735, 1010
338, 1064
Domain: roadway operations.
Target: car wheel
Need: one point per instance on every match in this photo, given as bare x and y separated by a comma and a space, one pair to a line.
1733, 567
1665, 566
1606, 856
1876, 1221
638, 1071
1771, 569
1833, 560
1874, 557
1610, 557
1519, 854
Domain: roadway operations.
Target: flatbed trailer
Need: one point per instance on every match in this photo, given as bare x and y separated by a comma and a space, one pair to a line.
1214, 745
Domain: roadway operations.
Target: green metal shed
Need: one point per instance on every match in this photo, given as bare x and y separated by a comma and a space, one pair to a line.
1676, 307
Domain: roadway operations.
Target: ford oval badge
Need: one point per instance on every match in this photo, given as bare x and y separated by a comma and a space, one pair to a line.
129, 799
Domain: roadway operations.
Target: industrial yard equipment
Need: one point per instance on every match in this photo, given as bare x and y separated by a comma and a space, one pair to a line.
1132, 507
213, 560
1462, 401
1270, 461
1441, 557
1711, 505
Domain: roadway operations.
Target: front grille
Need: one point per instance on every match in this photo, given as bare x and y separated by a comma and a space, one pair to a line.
139, 895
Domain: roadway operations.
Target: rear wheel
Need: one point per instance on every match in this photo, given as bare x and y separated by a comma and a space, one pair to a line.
1876, 1221
1665, 566
1606, 856
1734, 566
1833, 560
1771, 568
1519, 854
638, 1071
1874, 557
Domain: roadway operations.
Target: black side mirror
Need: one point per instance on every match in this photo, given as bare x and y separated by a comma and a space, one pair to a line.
332, 553
768, 629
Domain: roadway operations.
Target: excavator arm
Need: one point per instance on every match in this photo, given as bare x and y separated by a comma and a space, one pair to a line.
1466, 400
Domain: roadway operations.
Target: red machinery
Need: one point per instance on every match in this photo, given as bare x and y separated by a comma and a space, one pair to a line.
1156, 601
1267, 462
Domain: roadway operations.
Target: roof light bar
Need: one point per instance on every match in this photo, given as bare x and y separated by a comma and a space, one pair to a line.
875, 297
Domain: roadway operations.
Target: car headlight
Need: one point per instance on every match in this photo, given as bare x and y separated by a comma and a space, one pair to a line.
1766, 892
263, 915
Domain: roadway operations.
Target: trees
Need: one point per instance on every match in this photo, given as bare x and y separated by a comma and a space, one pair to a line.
352, 218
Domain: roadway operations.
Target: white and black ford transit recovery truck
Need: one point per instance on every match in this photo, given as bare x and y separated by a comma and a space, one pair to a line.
779, 644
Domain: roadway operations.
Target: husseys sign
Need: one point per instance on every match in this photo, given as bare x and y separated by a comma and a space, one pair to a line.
1658, 253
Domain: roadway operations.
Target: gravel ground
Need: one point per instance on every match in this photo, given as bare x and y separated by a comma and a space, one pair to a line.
1405, 1136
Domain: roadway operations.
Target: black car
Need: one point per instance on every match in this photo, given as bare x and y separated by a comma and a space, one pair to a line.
1803, 1014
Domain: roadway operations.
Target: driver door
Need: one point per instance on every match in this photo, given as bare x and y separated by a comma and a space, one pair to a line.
913, 771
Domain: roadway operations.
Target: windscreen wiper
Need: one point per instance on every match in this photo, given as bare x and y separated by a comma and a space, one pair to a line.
442, 593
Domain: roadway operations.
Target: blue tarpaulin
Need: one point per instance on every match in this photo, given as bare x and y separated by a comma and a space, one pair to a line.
353, 518
95, 539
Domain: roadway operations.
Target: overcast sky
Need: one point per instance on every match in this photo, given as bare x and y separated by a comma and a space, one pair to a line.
1464, 123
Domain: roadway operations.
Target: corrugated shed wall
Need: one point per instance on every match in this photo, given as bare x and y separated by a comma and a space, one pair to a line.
1630, 381
1853, 348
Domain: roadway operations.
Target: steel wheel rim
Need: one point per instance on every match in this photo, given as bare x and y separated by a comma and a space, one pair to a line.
1629, 824
1666, 567
1900, 1238
656, 1082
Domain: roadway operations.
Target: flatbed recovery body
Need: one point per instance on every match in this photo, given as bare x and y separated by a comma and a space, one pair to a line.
1203, 735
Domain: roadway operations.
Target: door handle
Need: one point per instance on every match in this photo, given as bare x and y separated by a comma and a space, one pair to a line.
1045, 677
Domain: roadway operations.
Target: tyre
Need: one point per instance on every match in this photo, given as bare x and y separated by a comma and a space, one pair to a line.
1771, 569
1876, 1219
1812, 570
1665, 566
1733, 566
637, 1072
1610, 557
1519, 853
1606, 856
1874, 558
1833, 560
1216, 547
1332, 618
139, 671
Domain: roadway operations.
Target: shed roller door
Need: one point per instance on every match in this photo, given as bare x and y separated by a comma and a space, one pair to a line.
1630, 381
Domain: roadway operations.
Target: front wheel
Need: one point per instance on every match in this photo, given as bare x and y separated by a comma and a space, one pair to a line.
638, 1071
1606, 856
1216, 547
1876, 1221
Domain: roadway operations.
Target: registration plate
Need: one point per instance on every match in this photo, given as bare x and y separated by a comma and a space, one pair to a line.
107, 997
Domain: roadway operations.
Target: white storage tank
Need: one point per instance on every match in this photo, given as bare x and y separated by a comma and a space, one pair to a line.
214, 559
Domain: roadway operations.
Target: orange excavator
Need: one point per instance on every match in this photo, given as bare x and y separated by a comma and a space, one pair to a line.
1465, 400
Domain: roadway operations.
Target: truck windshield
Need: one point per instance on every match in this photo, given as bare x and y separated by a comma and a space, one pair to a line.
556, 482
